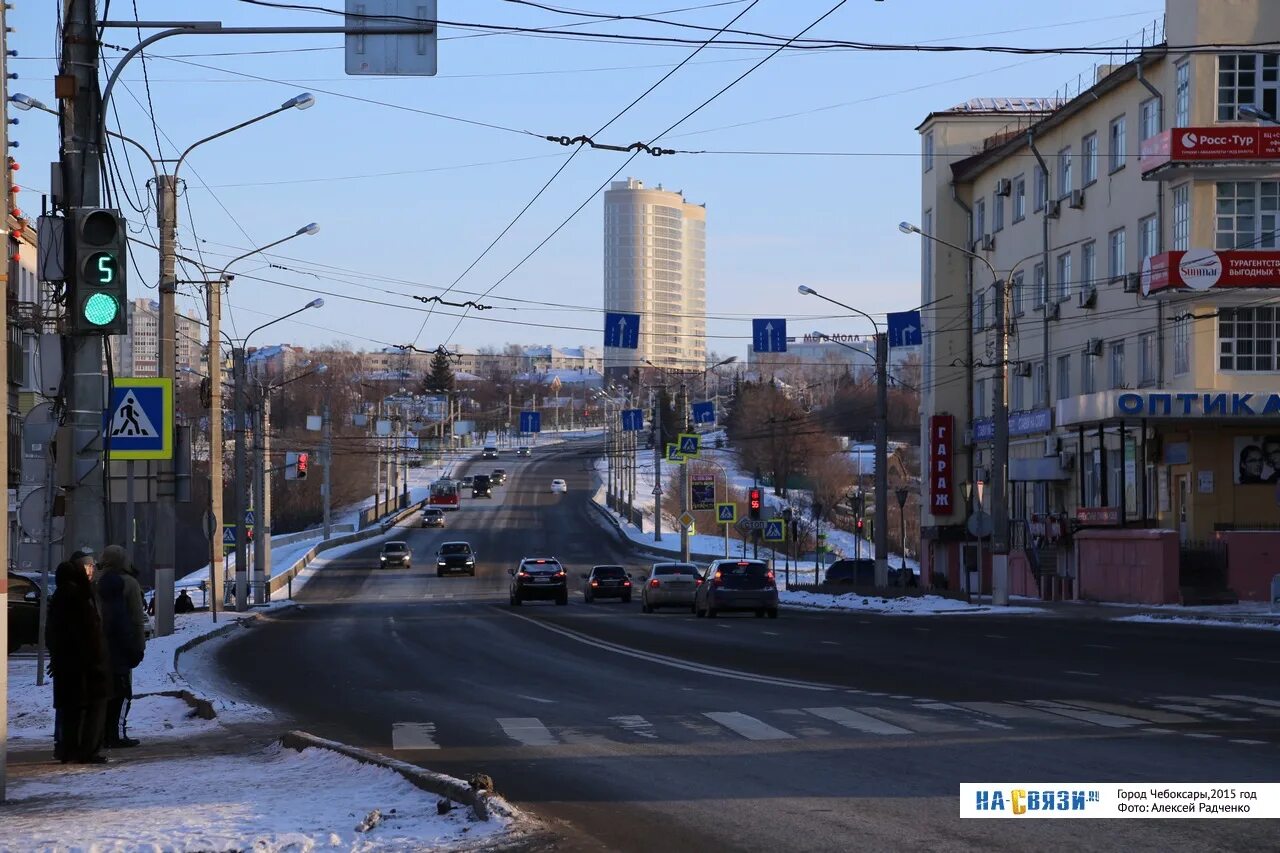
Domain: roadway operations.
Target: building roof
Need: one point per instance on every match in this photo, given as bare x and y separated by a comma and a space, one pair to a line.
998, 106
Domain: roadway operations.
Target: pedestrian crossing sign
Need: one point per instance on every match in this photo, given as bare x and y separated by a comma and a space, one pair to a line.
775, 530
727, 513
138, 421
688, 444
673, 453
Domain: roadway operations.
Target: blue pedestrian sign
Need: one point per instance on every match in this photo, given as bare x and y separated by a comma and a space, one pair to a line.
905, 329
688, 444
632, 420
249, 520
673, 453
704, 413
726, 513
769, 335
622, 330
531, 421
228, 534
138, 421
775, 530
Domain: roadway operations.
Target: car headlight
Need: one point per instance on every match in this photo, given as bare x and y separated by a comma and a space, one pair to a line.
441, 563
470, 562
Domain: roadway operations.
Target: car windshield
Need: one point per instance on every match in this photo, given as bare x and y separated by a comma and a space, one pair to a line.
744, 569
675, 569
395, 546
542, 565
455, 548
610, 572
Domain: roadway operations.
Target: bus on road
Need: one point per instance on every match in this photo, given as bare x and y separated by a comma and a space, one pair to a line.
444, 494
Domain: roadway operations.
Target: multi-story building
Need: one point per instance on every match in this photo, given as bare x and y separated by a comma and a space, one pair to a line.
138, 353
1134, 228
655, 265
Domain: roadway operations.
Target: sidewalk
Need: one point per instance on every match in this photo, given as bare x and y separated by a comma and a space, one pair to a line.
1247, 614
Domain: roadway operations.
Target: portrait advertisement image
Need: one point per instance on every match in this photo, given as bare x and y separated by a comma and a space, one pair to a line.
1257, 458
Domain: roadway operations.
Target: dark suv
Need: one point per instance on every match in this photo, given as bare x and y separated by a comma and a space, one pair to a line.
499, 476
24, 612
858, 572
606, 582
396, 554
737, 585
539, 578
455, 557
481, 486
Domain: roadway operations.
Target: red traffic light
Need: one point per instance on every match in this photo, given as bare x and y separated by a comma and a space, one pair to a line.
755, 498
303, 460
754, 502
859, 525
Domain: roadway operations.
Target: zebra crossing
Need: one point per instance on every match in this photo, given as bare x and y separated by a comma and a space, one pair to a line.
1161, 715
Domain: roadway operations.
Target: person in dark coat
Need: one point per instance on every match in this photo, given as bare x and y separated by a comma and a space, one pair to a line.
124, 628
183, 603
79, 663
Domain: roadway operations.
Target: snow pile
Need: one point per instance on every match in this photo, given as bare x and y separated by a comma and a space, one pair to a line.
923, 605
1194, 620
275, 800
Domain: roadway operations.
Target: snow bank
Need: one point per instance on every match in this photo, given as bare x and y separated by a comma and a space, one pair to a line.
923, 605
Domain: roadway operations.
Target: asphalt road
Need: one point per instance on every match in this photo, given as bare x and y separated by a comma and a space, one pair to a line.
817, 731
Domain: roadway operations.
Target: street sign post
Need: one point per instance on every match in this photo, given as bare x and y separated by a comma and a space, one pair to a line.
621, 330
632, 420
904, 329
138, 422
704, 413
702, 492
769, 335
673, 454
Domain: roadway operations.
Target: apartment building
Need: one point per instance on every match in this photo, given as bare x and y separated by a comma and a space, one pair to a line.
1134, 226
655, 265
138, 353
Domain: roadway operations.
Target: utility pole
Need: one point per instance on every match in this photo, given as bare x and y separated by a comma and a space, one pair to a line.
657, 466
164, 533
882, 460
216, 516
326, 486
4, 454
1000, 454
684, 476
262, 531
241, 481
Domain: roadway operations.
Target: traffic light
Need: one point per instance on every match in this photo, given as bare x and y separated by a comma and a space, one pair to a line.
295, 465
754, 502
304, 459
96, 273
859, 526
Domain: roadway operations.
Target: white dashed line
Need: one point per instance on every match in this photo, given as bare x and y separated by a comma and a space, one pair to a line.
1080, 672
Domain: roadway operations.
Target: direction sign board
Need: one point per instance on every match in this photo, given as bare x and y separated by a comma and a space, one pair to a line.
531, 421
904, 329
621, 330
688, 444
769, 335
775, 530
411, 54
632, 420
726, 513
702, 492
686, 520
704, 413
673, 453
138, 422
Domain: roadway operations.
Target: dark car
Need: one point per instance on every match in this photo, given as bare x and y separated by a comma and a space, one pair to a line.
737, 585
24, 612
490, 452
499, 476
481, 486
433, 518
606, 582
524, 452
396, 554
455, 557
539, 578
857, 572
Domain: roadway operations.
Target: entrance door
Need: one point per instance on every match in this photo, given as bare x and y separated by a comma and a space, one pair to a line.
1183, 509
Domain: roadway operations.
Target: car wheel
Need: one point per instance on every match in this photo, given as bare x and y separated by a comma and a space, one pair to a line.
773, 613
439, 573
696, 611
472, 573
586, 599
562, 600
515, 601
711, 612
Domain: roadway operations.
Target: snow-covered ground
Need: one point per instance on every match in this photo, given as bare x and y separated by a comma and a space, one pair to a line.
1204, 621
922, 605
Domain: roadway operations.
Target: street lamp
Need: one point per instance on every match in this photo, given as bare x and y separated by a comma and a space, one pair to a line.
1255, 112
882, 437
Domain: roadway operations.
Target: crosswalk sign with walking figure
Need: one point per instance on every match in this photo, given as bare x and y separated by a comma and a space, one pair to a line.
138, 421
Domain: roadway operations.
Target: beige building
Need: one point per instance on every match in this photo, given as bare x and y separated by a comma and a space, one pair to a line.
655, 265
138, 353
1136, 227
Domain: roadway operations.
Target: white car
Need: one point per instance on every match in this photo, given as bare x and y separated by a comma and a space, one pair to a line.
559, 486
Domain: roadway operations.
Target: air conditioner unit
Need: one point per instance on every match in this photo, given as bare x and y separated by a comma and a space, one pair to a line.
1088, 296
1052, 444
1076, 202
988, 243
1022, 368
1132, 283
1093, 347
1053, 311
1004, 186
1053, 209
1066, 460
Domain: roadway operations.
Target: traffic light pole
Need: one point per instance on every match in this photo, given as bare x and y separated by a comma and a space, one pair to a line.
657, 467
262, 465
882, 461
165, 546
684, 477
241, 483
328, 467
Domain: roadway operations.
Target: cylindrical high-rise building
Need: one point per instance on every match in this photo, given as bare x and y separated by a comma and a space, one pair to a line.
655, 265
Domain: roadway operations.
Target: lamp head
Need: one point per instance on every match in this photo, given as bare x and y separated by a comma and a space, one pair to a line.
806, 290
23, 102
309, 228
299, 102
315, 303
908, 228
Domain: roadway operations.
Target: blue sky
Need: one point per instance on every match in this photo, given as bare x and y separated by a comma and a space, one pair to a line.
407, 201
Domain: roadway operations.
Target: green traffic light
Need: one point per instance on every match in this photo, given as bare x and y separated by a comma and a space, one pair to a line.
101, 309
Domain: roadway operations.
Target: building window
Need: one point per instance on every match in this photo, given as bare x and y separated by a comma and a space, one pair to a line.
997, 214
1248, 339
980, 398
1247, 78
1064, 377
1182, 95
928, 151
1117, 136
1064, 276
1117, 364
1088, 381
1019, 198
1039, 391
1247, 214
1017, 294
1149, 118
1040, 285
1181, 218
1041, 187
1147, 236
1065, 184
1089, 265
1147, 359
980, 311
1116, 267
1089, 155
1181, 346
979, 220
1017, 394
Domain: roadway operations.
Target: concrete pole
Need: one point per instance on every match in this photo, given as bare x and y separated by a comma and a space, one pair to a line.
4, 457
240, 482
684, 477
882, 460
164, 533
326, 486
657, 467
215, 445
1000, 453
261, 543
263, 557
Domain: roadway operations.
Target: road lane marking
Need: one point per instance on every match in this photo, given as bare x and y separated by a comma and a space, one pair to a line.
636, 725
1080, 672
995, 636
771, 634
914, 722
1202, 735
1097, 646
1250, 700
1201, 711
527, 730
860, 722
747, 726
413, 736
830, 643
1098, 718
1009, 711
1258, 660
1148, 714
536, 699
1248, 742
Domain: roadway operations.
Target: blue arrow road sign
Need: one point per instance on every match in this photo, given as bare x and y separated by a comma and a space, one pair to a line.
769, 335
904, 329
531, 421
632, 420
138, 421
773, 530
704, 413
622, 330
688, 444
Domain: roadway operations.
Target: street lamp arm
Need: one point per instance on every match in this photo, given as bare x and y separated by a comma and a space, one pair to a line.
183, 156
223, 272
252, 332
995, 276
809, 291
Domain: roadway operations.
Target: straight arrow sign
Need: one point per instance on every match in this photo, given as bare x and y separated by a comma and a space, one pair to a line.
622, 330
769, 335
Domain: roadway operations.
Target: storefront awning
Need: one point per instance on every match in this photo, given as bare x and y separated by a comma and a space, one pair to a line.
1207, 406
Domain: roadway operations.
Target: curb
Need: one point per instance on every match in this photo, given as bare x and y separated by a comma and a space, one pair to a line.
201, 708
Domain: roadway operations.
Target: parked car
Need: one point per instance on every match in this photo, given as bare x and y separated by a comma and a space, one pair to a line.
559, 486
669, 585
539, 578
857, 572
606, 582
455, 557
396, 554
737, 585
433, 518
24, 612
489, 452
481, 486
523, 452
499, 476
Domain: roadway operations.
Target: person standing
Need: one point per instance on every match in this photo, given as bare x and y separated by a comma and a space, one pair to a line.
78, 661
124, 627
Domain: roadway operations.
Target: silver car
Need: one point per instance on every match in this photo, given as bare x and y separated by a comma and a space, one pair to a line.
669, 585
737, 585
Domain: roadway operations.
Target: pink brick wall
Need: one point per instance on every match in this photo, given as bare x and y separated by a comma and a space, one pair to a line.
1252, 558
1130, 566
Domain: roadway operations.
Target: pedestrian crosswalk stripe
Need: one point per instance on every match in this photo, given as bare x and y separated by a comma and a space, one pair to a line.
1147, 714
527, 730
913, 722
413, 736
1100, 718
636, 725
747, 726
1009, 711
1251, 700
859, 722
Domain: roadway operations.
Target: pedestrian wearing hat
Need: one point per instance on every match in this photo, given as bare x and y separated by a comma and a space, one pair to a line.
78, 662
124, 628
85, 560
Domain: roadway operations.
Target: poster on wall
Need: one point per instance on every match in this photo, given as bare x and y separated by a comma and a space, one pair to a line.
1257, 458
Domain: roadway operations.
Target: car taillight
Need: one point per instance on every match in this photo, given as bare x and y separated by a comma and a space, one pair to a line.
560, 573
718, 580
626, 583
655, 583
595, 583
698, 581
768, 576
523, 573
